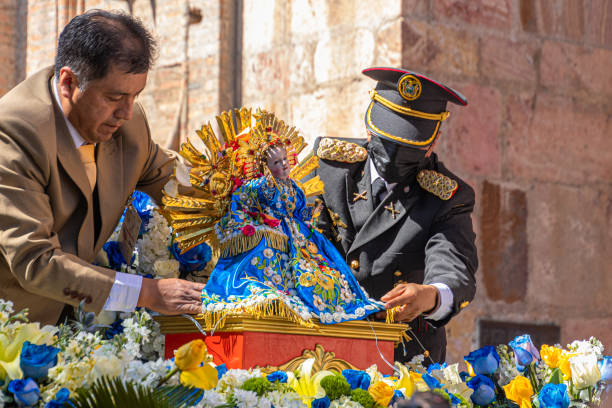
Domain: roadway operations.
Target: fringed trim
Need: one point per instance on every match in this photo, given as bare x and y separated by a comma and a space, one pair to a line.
268, 308
240, 243
391, 314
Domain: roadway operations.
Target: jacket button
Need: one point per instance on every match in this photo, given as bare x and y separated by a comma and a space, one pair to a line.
397, 273
88, 299
355, 264
67, 291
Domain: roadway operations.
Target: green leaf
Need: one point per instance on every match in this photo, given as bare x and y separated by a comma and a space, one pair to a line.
556, 377
114, 392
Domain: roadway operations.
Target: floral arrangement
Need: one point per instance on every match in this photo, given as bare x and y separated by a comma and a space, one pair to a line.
77, 362
155, 254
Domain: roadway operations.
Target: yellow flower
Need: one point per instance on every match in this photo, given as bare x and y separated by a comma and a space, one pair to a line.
204, 377
307, 279
307, 385
325, 281
419, 383
11, 342
405, 382
381, 392
564, 364
470, 369
520, 391
190, 355
550, 355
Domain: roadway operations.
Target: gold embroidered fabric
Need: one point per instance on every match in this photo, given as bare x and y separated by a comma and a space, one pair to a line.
87, 153
340, 150
437, 184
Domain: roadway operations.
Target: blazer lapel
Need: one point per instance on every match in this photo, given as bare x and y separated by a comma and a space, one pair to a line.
392, 209
359, 193
70, 160
109, 184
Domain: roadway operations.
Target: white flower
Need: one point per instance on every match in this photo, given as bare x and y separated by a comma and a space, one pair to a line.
318, 303
254, 260
451, 373
338, 317
345, 402
268, 271
234, 378
360, 312
285, 399
268, 253
166, 268
245, 399
106, 363
212, 399
277, 279
339, 309
585, 372
593, 345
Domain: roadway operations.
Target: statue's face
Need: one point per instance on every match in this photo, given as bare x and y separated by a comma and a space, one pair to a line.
277, 163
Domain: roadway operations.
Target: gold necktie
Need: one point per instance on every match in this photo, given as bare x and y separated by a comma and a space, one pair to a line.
89, 161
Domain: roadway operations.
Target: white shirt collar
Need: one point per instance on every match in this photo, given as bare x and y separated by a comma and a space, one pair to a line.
76, 137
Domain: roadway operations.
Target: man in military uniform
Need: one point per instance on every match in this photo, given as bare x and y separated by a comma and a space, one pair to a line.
400, 218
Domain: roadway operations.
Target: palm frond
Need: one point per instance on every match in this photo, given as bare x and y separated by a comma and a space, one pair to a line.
111, 393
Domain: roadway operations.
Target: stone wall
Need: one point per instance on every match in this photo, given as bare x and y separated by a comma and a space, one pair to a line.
535, 140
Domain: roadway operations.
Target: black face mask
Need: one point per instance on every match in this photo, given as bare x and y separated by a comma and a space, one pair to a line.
395, 163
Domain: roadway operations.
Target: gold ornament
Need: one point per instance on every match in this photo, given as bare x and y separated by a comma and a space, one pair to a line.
219, 165
340, 150
437, 184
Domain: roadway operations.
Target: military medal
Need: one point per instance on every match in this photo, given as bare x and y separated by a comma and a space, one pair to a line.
392, 210
360, 196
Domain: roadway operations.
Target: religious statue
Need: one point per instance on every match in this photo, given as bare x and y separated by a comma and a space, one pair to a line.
251, 207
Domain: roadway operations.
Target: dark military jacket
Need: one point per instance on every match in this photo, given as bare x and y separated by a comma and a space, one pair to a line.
411, 236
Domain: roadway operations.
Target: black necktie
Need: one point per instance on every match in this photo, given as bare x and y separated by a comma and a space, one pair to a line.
379, 190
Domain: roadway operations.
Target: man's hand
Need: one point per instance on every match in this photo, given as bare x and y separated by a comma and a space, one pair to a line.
171, 296
413, 299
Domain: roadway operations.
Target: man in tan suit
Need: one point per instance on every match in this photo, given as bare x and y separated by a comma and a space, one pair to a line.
73, 147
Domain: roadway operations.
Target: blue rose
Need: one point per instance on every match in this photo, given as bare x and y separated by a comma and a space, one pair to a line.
115, 328
524, 351
193, 260
142, 204
605, 368
435, 366
484, 389
454, 399
221, 370
357, 378
431, 381
61, 398
115, 257
485, 360
279, 376
321, 402
554, 396
35, 361
25, 392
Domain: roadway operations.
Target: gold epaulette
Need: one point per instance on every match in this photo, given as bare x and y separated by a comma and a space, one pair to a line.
341, 151
437, 184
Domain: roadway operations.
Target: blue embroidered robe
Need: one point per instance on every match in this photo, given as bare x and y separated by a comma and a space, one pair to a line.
274, 263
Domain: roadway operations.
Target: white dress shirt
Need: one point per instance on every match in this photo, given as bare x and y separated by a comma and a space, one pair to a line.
445, 293
124, 293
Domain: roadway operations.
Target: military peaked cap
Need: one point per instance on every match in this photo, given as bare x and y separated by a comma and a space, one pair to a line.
407, 107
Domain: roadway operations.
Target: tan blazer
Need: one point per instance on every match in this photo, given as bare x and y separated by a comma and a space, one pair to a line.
47, 207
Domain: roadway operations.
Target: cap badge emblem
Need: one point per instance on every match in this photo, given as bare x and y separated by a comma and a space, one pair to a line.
409, 87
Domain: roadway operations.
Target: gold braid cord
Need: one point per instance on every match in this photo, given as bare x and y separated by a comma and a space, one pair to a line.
218, 164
